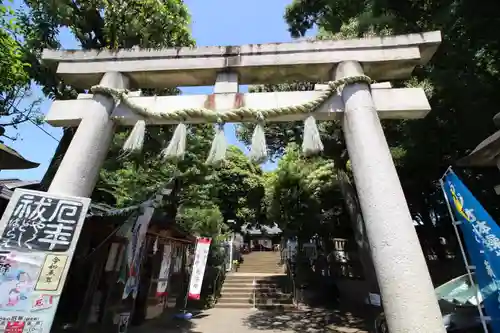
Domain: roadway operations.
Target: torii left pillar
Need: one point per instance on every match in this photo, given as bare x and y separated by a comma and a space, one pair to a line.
79, 170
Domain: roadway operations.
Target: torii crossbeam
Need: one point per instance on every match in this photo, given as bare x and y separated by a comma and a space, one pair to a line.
407, 292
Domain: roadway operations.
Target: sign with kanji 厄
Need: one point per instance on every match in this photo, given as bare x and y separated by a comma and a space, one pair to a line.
42, 222
38, 236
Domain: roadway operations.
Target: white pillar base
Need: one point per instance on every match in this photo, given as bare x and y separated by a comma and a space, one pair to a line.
408, 297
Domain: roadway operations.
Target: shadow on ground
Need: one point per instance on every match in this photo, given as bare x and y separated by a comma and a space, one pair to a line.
317, 320
167, 324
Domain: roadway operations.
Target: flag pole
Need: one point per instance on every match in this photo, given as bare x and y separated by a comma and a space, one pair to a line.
464, 255
444, 175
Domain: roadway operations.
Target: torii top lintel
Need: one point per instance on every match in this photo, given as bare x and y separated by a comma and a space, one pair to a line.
383, 58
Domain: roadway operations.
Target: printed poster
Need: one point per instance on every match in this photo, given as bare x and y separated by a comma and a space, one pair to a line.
198, 271
22, 308
38, 236
161, 288
18, 275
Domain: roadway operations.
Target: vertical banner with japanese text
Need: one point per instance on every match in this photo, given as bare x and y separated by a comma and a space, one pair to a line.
38, 236
199, 264
161, 288
482, 239
134, 252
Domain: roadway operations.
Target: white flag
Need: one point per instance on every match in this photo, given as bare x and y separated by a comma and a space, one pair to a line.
161, 289
200, 261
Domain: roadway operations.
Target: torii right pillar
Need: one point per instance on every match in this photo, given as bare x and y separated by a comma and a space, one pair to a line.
407, 292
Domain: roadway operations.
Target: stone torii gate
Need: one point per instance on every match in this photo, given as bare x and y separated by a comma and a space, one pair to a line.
407, 292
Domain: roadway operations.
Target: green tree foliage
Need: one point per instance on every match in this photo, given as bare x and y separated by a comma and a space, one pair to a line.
302, 196
134, 178
202, 193
12, 65
461, 81
97, 25
14, 77
278, 135
205, 221
239, 188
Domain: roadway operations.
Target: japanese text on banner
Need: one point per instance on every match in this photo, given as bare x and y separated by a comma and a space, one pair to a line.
482, 240
200, 261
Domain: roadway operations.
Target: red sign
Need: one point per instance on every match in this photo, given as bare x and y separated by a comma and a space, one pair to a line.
14, 327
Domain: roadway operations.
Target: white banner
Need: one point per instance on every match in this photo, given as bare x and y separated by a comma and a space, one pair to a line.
200, 262
161, 288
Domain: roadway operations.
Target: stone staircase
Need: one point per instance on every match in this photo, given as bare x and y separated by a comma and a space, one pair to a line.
260, 274
261, 262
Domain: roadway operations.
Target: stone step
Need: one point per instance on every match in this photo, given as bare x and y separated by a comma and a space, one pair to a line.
242, 300
260, 267
256, 278
250, 285
259, 307
258, 297
233, 305
261, 292
261, 271
250, 288
248, 262
262, 264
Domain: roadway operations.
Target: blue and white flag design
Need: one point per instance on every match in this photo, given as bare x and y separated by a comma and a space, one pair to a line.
482, 240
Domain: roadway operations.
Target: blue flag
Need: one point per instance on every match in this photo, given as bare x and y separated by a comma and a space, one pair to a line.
482, 241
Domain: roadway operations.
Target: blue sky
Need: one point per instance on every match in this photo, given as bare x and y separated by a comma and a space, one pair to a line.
214, 22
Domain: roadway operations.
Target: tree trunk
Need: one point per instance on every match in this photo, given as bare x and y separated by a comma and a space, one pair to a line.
61, 149
358, 225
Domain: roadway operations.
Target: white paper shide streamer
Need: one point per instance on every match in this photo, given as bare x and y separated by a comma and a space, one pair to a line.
135, 140
258, 150
217, 152
177, 146
311, 143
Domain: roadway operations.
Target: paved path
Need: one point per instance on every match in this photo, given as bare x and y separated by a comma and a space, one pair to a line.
250, 321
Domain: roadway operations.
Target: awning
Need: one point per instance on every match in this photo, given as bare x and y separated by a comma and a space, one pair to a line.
12, 160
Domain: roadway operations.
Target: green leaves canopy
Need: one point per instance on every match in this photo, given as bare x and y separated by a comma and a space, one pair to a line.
12, 65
